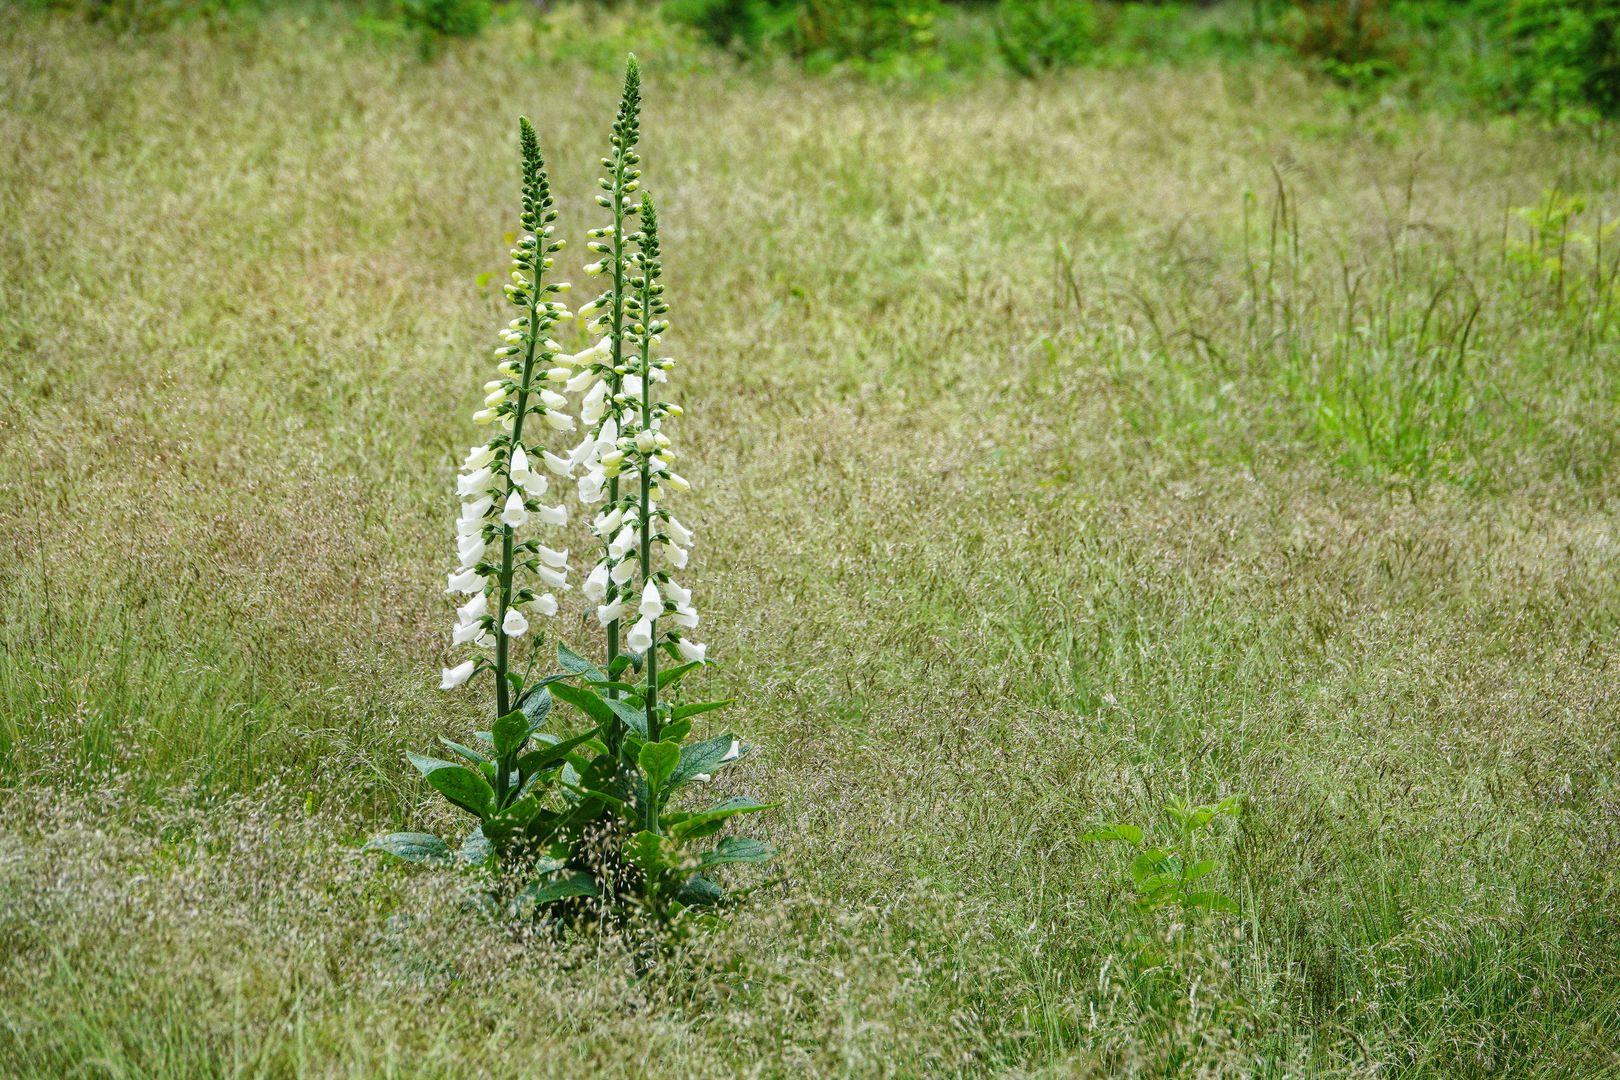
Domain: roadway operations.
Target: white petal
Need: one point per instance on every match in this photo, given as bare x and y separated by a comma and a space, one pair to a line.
596, 583
514, 624
560, 466
678, 596
520, 464
455, 676
551, 557
467, 581
475, 482
546, 604
623, 572
514, 514
690, 650
554, 515
640, 639
652, 605
608, 613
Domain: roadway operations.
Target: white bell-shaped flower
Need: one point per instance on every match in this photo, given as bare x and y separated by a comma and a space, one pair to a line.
624, 543
471, 549
520, 464
691, 650
465, 632
475, 511
652, 604
557, 579
455, 676
594, 402
678, 596
467, 581
551, 557
607, 614
514, 624
545, 604
474, 609
553, 515
596, 583
473, 483
559, 466
515, 514
623, 572
678, 532
640, 639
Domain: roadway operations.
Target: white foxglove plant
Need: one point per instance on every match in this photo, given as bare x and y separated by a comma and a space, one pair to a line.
662, 855
508, 579
587, 815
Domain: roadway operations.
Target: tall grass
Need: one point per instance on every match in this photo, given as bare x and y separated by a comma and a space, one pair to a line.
1088, 481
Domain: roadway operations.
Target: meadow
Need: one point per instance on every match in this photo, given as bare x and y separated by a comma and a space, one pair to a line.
1071, 446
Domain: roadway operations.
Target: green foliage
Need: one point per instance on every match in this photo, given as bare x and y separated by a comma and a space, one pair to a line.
1562, 58
1173, 873
436, 22
1038, 35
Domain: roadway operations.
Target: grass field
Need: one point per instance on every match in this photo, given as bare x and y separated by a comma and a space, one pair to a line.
1060, 448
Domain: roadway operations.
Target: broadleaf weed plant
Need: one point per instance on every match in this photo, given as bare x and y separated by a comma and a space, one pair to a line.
584, 820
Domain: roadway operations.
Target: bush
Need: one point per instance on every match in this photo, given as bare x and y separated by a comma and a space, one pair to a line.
1038, 35
1349, 40
437, 21
1562, 57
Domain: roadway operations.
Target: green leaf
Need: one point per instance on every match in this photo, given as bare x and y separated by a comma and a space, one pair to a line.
461, 785
545, 891
705, 822
550, 753
585, 700
632, 717
681, 712
734, 849
670, 676
646, 850
698, 891
1199, 869
621, 687
510, 732
465, 752
1211, 901
1128, 834
1148, 863
706, 757
658, 761
536, 704
476, 850
616, 668
575, 664
413, 847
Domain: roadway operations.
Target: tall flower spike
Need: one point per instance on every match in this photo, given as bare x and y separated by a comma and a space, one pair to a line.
499, 477
665, 608
607, 405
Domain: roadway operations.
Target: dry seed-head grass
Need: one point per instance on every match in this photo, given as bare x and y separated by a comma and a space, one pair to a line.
1026, 501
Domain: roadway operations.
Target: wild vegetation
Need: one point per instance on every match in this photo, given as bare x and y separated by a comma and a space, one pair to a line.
1189, 450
